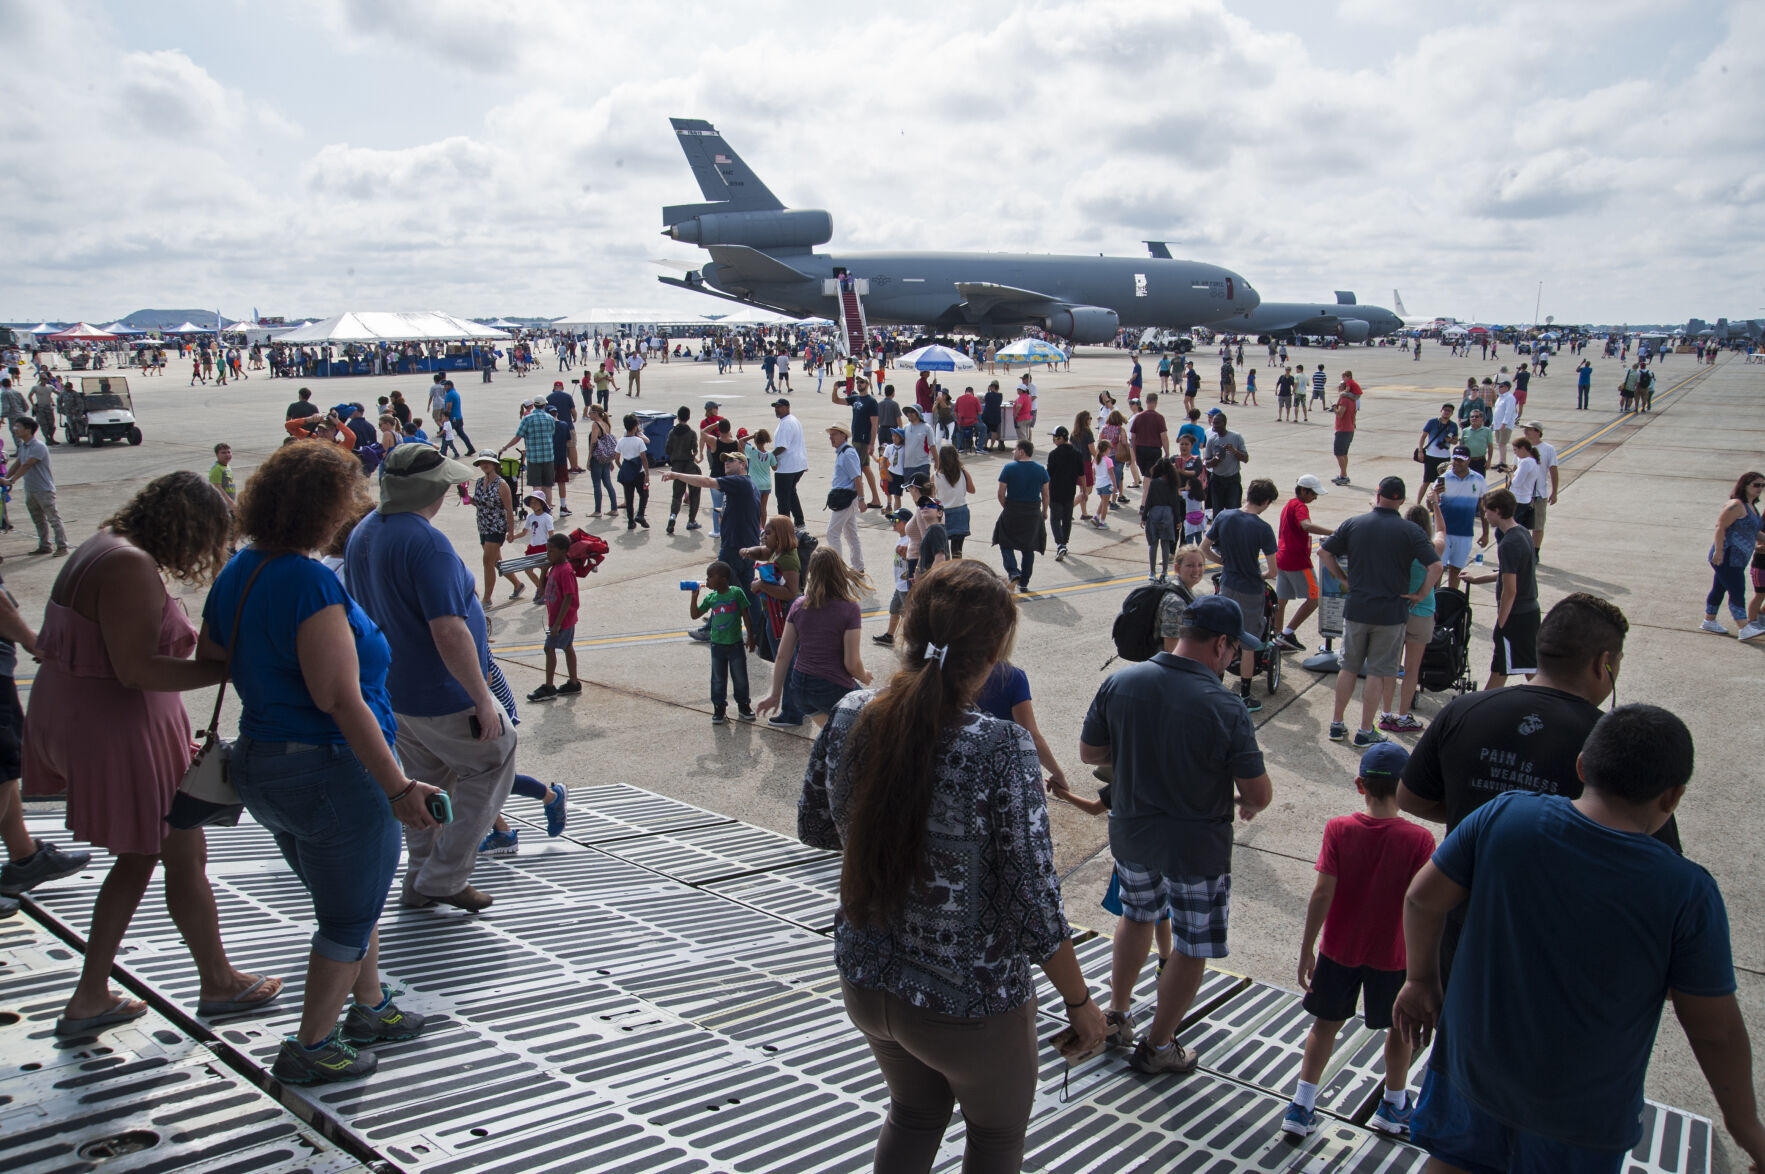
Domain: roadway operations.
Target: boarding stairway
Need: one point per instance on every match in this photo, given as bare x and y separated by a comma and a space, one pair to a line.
855, 331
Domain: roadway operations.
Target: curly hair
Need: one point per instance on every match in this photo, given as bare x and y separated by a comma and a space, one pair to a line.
299, 497
181, 521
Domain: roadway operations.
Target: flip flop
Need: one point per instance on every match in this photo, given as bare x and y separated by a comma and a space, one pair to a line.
242, 1001
121, 1011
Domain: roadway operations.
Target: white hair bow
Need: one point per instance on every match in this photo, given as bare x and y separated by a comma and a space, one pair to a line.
936, 652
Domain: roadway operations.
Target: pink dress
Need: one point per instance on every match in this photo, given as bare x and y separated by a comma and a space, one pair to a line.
117, 752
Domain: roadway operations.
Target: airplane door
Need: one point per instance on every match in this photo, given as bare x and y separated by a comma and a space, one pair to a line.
1230, 290
1139, 285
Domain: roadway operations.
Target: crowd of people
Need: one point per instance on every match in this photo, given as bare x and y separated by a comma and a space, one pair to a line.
357, 640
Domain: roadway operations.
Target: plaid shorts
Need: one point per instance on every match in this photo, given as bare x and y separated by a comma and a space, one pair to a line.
1197, 906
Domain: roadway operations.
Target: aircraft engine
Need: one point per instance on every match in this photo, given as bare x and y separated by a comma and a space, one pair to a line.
786, 228
1355, 330
1083, 323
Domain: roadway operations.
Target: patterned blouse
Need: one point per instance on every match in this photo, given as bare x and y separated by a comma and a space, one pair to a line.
965, 943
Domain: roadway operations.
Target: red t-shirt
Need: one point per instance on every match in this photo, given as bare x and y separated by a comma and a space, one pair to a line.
1293, 550
561, 597
1351, 402
1373, 861
1147, 429
922, 394
968, 409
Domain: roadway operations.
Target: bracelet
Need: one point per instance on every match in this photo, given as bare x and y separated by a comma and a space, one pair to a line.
409, 787
1077, 1005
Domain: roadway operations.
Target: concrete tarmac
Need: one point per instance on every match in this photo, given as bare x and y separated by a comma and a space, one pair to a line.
1638, 502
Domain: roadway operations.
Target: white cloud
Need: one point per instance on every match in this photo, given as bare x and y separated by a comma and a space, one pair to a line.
1491, 143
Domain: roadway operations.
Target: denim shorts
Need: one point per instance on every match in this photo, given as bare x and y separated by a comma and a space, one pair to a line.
335, 829
562, 640
815, 694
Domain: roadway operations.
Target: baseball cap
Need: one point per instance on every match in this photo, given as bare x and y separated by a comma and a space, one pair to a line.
1461, 453
1062, 432
1533, 425
1393, 489
781, 403
902, 515
920, 481
1213, 411
1387, 759
712, 405
1222, 616
930, 503
1312, 483
557, 385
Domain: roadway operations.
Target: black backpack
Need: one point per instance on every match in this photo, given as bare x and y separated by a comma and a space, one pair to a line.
1135, 630
806, 544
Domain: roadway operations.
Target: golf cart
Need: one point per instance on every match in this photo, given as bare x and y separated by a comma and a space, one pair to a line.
102, 410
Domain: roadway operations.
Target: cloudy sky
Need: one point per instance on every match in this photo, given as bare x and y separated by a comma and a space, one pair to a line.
510, 156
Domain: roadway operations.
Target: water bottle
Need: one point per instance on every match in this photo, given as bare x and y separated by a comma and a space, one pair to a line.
689, 584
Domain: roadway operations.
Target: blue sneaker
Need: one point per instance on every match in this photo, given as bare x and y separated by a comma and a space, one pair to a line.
557, 810
1364, 738
1395, 1121
500, 843
1302, 1122
1338, 731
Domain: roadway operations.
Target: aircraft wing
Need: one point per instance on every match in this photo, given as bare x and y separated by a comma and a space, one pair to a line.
983, 297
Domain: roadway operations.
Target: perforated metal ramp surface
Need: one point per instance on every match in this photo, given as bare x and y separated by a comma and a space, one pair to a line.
655, 990
138, 1098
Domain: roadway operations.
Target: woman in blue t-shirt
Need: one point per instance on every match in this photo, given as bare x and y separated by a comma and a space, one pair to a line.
314, 761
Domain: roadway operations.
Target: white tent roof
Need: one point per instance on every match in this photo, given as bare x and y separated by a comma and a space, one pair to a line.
190, 328
122, 328
637, 315
44, 328
386, 326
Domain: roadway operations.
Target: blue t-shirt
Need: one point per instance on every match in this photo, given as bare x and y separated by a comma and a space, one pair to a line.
1242, 539
452, 403
1584, 378
405, 573
1195, 433
1006, 688
1023, 480
1574, 934
741, 515
266, 664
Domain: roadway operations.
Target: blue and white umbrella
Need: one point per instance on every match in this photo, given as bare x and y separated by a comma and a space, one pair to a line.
1031, 350
935, 358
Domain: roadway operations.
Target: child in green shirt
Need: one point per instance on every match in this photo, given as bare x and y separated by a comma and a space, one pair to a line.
728, 608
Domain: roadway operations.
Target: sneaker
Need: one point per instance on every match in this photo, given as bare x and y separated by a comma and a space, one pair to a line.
669, 528
1713, 626
333, 1060
1387, 1118
557, 810
367, 1025
543, 693
569, 688
1339, 480
8, 906
47, 863
1289, 642
743, 713
1250, 703
1175, 1058
783, 722
1299, 1122
1118, 1029
1401, 723
40, 550
885, 640
695, 525
717, 718
1060, 554
1752, 630
500, 843
1365, 738
702, 635
1338, 731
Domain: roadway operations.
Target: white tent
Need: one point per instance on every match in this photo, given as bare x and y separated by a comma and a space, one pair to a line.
385, 326
190, 328
629, 316
122, 328
752, 316
44, 328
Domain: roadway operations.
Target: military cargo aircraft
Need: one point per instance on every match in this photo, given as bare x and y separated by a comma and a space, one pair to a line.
762, 254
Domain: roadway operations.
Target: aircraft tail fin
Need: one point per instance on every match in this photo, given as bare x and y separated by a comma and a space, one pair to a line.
1344, 297
1397, 302
726, 181
1158, 249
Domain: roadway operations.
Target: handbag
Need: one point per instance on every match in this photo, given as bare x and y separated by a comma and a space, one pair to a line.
206, 796
839, 499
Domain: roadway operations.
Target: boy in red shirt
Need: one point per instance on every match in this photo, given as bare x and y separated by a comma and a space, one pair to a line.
1364, 870
562, 603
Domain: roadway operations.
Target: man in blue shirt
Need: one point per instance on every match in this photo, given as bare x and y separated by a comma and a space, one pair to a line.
845, 499
451, 732
1023, 498
451, 402
1579, 925
537, 435
1459, 489
1583, 384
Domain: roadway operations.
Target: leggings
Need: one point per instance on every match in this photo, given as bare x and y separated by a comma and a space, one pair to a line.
1730, 581
601, 473
933, 1061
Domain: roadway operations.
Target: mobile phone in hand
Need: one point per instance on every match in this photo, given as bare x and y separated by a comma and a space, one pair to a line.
441, 808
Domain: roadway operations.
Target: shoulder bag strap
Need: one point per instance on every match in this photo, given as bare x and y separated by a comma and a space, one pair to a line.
214, 719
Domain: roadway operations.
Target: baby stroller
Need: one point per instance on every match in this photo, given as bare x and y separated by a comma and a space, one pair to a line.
1268, 658
1446, 661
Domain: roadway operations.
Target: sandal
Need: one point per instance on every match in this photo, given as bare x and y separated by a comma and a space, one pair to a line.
248, 999
121, 1011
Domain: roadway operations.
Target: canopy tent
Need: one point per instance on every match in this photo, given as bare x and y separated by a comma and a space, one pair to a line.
1031, 350
44, 328
121, 328
388, 326
190, 328
632, 316
82, 332
754, 316
935, 358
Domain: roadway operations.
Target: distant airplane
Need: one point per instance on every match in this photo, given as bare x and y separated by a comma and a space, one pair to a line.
1343, 318
762, 254
1397, 300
